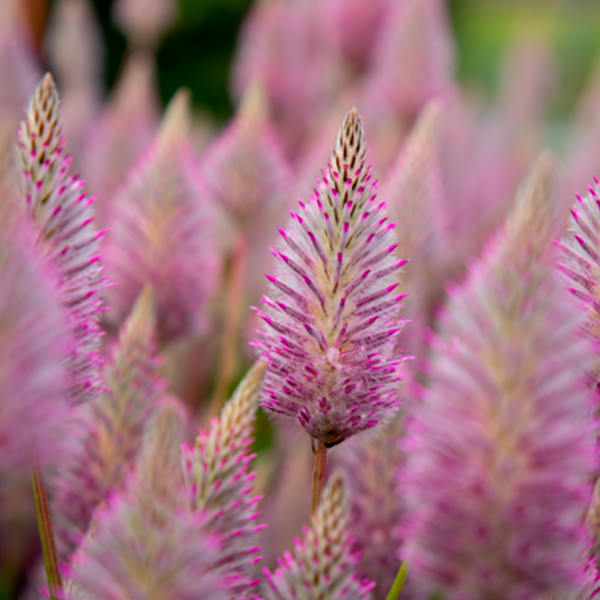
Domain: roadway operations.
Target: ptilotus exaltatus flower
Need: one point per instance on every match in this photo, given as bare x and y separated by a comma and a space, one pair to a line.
160, 232
322, 565
501, 449
217, 474
62, 216
581, 263
145, 543
108, 432
332, 318
33, 342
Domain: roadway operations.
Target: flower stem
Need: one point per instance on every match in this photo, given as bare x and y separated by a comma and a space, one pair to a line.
233, 318
318, 478
46, 534
398, 583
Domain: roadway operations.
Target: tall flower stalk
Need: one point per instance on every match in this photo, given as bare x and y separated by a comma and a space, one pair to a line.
332, 317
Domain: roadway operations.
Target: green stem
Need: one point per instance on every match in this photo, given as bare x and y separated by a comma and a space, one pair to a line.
233, 319
398, 583
318, 478
42, 510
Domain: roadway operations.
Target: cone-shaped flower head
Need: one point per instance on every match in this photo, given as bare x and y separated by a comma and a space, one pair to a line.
145, 543
62, 216
33, 343
322, 565
333, 317
108, 432
500, 452
581, 263
245, 169
160, 232
217, 474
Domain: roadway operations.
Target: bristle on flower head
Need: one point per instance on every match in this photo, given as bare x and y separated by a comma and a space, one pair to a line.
333, 316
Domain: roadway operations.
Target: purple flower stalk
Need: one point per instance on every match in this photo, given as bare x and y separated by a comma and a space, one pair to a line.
145, 543
63, 217
322, 564
217, 473
108, 432
501, 450
332, 319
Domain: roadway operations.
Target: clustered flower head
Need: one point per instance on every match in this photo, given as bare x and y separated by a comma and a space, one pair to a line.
332, 317
62, 217
501, 450
322, 564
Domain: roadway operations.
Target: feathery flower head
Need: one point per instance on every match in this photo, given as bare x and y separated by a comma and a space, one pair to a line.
217, 474
145, 543
108, 432
33, 344
62, 217
333, 317
501, 450
322, 564
145, 22
581, 263
160, 231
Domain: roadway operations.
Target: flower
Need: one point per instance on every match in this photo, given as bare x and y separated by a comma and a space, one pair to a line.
332, 320
501, 450
322, 564
63, 217
216, 472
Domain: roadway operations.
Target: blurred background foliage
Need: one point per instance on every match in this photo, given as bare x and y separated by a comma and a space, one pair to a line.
198, 49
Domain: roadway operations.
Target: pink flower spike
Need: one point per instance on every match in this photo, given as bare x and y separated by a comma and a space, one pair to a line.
319, 335
66, 236
501, 449
160, 232
322, 561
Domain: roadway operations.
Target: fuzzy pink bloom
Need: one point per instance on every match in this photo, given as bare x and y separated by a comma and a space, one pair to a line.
333, 318
33, 344
322, 564
501, 450
63, 217
160, 232
217, 473
145, 543
107, 433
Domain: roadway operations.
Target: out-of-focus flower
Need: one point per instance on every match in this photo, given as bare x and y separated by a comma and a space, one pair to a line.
333, 320
145, 21
245, 170
217, 474
107, 433
122, 131
62, 216
581, 263
413, 60
322, 564
145, 543
160, 232
371, 470
34, 342
501, 450
414, 193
